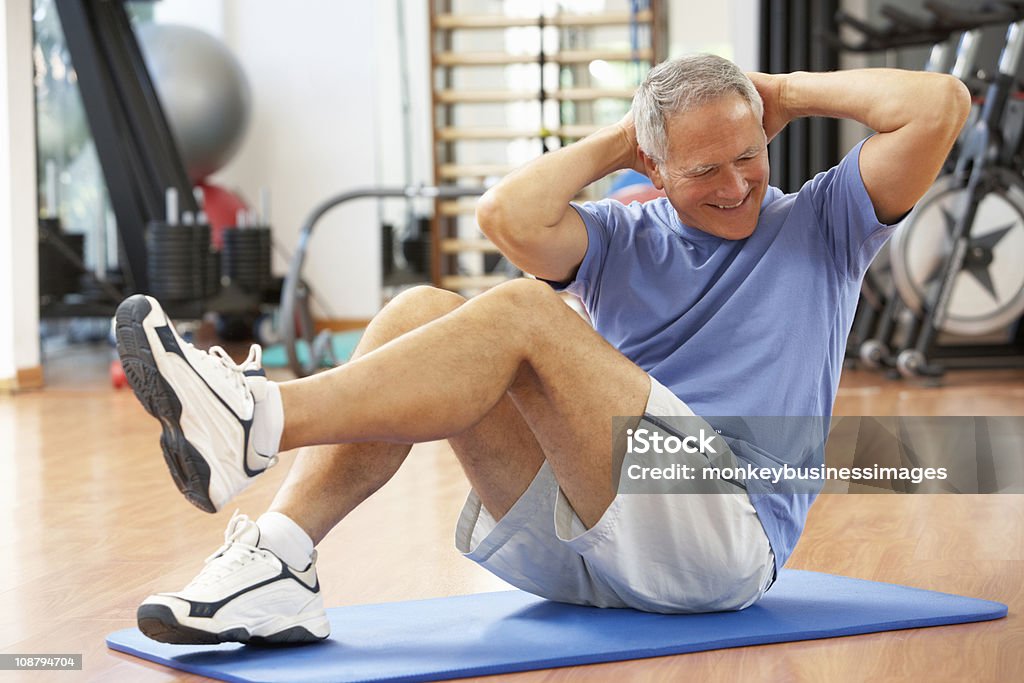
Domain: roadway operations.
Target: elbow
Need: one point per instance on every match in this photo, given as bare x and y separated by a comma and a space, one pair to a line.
960, 101
953, 106
490, 214
941, 105
495, 218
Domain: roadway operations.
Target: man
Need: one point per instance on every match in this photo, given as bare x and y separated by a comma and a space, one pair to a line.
725, 298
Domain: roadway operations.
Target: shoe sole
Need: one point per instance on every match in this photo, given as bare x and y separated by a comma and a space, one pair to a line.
188, 468
158, 622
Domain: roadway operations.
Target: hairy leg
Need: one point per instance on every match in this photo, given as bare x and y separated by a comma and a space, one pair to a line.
327, 482
443, 378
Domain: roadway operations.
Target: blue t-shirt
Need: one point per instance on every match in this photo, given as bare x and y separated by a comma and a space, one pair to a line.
753, 327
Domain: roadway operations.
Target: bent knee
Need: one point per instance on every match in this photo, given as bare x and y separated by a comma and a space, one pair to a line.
425, 303
411, 309
526, 294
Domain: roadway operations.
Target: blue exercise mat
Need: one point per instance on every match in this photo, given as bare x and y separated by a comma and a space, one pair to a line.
489, 633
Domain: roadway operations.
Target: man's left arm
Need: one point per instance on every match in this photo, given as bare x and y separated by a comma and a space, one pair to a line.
917, 116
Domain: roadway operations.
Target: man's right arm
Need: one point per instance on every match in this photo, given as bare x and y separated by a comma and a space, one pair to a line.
527, 215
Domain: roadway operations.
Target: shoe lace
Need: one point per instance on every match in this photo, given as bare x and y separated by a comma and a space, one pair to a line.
232, 555
219, 360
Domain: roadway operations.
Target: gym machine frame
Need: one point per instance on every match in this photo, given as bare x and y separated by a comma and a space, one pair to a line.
134, 142
296, 320
983, 166
980, 169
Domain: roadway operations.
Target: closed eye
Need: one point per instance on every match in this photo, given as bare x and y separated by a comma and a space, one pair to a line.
751, 154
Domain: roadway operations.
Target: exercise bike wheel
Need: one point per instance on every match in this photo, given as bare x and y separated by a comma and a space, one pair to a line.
988, 293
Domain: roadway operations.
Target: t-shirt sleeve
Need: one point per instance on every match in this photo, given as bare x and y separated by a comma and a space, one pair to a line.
610, 227
846, 215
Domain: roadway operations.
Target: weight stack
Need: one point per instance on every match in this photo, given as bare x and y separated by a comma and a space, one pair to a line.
178, 258
212, 285
245, 258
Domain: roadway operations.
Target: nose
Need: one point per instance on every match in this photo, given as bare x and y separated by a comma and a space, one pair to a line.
734, 186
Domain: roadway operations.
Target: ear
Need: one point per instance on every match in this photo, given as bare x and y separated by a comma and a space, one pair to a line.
651, 170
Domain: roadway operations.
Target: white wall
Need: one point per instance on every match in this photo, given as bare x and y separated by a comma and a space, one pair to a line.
745, 33
700, 27
19, 291
312, 67
205, 14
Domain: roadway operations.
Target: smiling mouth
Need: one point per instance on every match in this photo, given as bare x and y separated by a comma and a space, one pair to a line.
725, 207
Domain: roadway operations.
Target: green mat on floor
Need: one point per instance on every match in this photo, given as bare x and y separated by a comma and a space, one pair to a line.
343, 344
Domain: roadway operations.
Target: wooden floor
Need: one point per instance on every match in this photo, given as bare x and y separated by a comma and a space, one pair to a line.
90, 524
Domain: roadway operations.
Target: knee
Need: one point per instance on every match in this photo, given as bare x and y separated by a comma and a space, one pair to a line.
424, 303
529, 297
411, 309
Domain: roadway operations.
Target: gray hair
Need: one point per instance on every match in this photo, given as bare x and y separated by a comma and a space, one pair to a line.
681, 85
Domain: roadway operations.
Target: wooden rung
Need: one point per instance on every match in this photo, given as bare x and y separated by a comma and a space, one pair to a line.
449, 22
601, 19
455, 246
582, 94
453, 171
586, 56
481, 59
488, 133
491, 133
456, 208
457, 282
564, 57
484, 96
572, 94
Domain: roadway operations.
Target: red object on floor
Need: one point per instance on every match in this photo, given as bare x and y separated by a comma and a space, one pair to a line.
222, 206
117, 377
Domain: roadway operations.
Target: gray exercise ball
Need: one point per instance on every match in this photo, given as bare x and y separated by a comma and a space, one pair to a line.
203, 90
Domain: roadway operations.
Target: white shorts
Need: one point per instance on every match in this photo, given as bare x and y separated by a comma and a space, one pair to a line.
657, 552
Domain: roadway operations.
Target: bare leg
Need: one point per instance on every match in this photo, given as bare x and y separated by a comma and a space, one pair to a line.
327, 482
443, 378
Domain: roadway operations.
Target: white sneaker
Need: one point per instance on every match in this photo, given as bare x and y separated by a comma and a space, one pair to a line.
203, 400
244, 594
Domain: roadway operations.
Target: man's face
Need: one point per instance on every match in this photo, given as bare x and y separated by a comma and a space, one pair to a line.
716, 172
